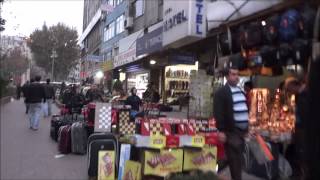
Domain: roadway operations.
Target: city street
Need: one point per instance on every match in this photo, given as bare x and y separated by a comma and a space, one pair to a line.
27, 154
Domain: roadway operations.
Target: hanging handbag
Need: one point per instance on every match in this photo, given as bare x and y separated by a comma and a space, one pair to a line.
316, 41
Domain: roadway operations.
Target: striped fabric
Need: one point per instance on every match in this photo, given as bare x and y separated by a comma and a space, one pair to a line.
240, 108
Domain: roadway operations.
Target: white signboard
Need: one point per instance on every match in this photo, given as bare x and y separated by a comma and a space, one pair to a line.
183, 22
127, 49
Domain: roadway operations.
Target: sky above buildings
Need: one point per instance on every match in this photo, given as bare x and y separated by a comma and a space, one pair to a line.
24, 16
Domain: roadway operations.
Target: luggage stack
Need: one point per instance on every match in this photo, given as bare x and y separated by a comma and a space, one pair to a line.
71, 132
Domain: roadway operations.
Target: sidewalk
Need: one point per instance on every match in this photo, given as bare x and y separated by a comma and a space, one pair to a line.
27, 154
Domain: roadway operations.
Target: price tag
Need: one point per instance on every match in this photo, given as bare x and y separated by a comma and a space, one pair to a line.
157, 142
198, 141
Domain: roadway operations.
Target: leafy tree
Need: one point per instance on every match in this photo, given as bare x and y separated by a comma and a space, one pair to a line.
61, 39
14, 63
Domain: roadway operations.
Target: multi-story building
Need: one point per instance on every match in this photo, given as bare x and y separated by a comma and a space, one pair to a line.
91, 38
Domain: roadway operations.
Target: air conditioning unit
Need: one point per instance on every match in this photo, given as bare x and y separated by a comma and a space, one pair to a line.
103, 17
128, 22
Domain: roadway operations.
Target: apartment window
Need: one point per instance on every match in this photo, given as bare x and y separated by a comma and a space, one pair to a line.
111, 2
119, 1
120, 24
109, 31
139, 8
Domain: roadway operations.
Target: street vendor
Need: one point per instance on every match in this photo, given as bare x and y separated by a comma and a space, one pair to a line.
231, 113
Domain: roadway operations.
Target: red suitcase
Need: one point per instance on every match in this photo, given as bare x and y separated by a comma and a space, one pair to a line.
64, 139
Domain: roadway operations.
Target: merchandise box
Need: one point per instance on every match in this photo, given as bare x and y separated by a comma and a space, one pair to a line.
132, 171
204, 159
163, 163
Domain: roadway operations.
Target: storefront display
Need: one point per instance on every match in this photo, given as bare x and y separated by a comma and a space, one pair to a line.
272, 118
139, 80
177, 80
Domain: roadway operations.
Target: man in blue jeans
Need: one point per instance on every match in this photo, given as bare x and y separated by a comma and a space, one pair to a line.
50, 97
35, 95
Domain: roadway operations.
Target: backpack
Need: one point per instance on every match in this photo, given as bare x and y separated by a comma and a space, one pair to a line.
308, 15
270, 30
251, 36
289, 26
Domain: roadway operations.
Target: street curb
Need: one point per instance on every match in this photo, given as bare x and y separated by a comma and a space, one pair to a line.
5, 100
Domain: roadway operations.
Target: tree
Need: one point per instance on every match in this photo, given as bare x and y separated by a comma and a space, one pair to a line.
14, 63
61, 39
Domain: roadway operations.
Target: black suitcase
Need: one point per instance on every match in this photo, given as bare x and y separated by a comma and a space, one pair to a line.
96, 143
56, 122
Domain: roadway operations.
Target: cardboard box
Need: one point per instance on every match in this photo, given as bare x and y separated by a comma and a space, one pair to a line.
163, 163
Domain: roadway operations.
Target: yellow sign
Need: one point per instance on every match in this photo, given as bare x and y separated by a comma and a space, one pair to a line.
106, 165
206, 159
132, 171
198, 141
107, 65
157, 141
163, 163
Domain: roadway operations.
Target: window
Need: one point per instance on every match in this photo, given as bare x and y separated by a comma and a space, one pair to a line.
109, 31
139, 8
119, 1
120, 24
111, 2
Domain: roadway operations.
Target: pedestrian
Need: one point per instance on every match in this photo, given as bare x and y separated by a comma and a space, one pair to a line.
50, 97
36, 95
151, 94
248, 86
18, 91
25, 88
231, 114
135, 102
296, 150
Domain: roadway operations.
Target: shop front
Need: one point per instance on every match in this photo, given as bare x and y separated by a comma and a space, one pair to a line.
177, 75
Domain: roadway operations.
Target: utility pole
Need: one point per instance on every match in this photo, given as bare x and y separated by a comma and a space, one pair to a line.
53, 56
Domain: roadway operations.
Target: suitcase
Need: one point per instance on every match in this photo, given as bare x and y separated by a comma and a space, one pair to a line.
56, 122
64, 139
79, 138
96, 143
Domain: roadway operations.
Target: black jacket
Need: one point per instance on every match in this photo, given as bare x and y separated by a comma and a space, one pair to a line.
49, 91
223, 109
35, 93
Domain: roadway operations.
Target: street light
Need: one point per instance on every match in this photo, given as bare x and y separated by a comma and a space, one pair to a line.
53, 55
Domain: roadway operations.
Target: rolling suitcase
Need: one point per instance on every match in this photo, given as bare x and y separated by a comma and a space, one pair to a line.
99, 142
64, 139
79, 138
56, 122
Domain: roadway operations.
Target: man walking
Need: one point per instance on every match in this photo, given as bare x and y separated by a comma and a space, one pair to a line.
35, 95
50, 97
231, 113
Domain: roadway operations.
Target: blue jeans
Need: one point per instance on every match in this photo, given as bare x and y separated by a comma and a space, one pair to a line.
47, 107
34, 114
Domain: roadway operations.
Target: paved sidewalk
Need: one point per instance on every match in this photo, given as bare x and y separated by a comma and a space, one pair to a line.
27, 154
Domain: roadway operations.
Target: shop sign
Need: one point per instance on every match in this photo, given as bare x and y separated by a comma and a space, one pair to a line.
107, 65
150, 42
182, 59
127, 50
183, 22
94, 58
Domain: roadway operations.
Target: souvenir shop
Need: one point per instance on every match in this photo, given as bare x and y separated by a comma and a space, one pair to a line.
274, 46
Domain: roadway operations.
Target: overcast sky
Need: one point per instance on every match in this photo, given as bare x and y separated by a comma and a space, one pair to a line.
24, 16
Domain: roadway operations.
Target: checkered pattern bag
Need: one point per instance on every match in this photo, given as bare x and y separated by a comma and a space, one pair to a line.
127, 128
124, 116
156, 128
103, 120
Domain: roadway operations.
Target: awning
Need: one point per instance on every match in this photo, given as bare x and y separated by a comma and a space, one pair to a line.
222, 11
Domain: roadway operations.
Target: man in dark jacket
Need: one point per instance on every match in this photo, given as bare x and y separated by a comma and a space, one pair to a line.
231, 113
50, 97
35, 95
